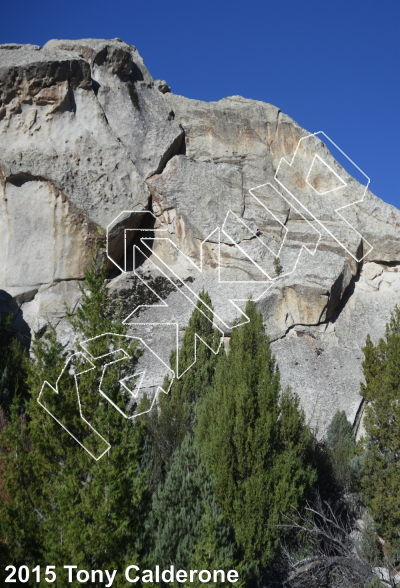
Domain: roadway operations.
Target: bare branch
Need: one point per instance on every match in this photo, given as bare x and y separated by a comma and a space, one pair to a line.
322, 548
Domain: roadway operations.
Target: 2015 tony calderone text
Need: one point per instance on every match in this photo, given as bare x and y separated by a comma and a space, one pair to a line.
132, 574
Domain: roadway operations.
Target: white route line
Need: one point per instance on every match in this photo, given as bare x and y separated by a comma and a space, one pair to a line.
84, 345
88, 358
136, 376
334, 173
337, 209
193, 297
310, 251
79, 404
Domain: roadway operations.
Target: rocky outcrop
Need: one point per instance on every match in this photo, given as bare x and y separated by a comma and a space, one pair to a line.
221, 189
27, 46
136, 112
323, 362
69, 160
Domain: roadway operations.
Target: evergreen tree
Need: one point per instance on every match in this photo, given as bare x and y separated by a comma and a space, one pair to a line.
381, 464
210, 554
181, 483
341, 447
340, 430
13, 363
176, 521
254, 440
63, 505
21, 534
13, 391
177, 412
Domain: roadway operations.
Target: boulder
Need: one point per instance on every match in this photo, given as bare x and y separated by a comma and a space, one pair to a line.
27, 46
233, 196
162, 86
137, 113
63, 173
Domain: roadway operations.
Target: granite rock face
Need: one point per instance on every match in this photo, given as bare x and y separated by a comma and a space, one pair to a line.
324, 361
69, 156
220, 190
136, 112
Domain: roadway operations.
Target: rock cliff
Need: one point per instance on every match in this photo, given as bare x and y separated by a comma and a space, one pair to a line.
92, 149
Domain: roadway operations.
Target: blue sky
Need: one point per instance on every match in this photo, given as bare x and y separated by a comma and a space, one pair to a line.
332, 66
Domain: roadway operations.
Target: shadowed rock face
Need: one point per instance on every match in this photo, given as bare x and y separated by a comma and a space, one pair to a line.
86, 133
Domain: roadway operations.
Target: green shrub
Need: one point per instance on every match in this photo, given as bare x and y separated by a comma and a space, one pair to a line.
13, 364
340, 445
340, 431
179, 508
64, 506
381, 467
255, 441
177, 416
